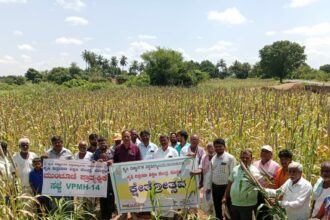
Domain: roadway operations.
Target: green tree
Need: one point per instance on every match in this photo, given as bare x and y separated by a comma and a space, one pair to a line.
33, 75
59, 75
90, 58
75, 71
114, 62
134, 68
123, 61
281, 58
325, 68
167, 67
13, 80
222, 68
210, 68
240, 70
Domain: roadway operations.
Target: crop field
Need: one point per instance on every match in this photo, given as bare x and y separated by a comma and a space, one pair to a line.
241, 112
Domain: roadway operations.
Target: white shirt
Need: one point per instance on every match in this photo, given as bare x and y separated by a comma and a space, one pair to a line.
147, 152
88, 156
319, 199
296, 198
199, 154
169, 153
221, 168
24, 167
4, 162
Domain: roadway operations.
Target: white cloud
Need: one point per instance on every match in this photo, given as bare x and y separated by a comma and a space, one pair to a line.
27, 47
64, 54
76, 21
69, 41
147, 37
270, 33
199, 37
26, 58
7, 60
12, 1
221, 49
317, 50
315, 30
136, 48
185, 55
230, 16
300, 3
17, 33
76, 5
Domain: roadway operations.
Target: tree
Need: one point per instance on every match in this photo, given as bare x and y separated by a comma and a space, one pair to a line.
90, 58
13, 80
33, 75
59, 75
114, 61
134, 68
281, 58
222, 68
325, 68
123, 61
167, 67
210, 68
75, 71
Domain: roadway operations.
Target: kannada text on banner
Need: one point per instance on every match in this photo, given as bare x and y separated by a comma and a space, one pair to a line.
74, 178
170, 179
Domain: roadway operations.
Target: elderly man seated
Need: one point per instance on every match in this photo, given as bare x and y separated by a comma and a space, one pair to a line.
296, 194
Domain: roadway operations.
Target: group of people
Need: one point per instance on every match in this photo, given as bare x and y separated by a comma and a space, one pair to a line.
222, 180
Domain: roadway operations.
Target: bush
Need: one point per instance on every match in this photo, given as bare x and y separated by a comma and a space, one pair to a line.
76, 83
141, 80
13, 80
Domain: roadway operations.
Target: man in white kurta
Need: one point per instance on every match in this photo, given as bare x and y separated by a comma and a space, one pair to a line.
23, 163
296, 194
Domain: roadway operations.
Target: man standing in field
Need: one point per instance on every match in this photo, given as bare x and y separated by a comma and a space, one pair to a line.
23, 162
82, 153
92, 143
268, 168
58, 151
182, 137
6, 168
135, 137
107, 204
243, 199
321, 189
296, 194
126, 152
220, 168
193, 150
173, 140
165, 151
147, 148
282, 174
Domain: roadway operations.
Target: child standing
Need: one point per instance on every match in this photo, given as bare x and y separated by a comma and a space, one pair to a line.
35, 179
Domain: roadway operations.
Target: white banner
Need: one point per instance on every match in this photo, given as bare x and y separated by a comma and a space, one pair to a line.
74, 178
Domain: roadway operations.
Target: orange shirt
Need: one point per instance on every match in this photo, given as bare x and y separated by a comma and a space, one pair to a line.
281, 177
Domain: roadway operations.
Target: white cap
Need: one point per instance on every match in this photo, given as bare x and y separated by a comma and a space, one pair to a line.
267, 148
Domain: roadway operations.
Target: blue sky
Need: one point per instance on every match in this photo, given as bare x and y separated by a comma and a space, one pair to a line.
47, 33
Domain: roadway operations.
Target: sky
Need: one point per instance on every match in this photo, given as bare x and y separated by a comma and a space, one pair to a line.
43, 34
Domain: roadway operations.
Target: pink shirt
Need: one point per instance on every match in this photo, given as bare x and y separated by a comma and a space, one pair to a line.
205, 163
270, 168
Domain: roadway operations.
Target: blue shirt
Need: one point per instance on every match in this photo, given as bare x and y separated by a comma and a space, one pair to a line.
35, 178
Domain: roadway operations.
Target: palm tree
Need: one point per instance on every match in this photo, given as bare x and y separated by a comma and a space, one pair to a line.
114, 62
90, 58
123, 61
133, 69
